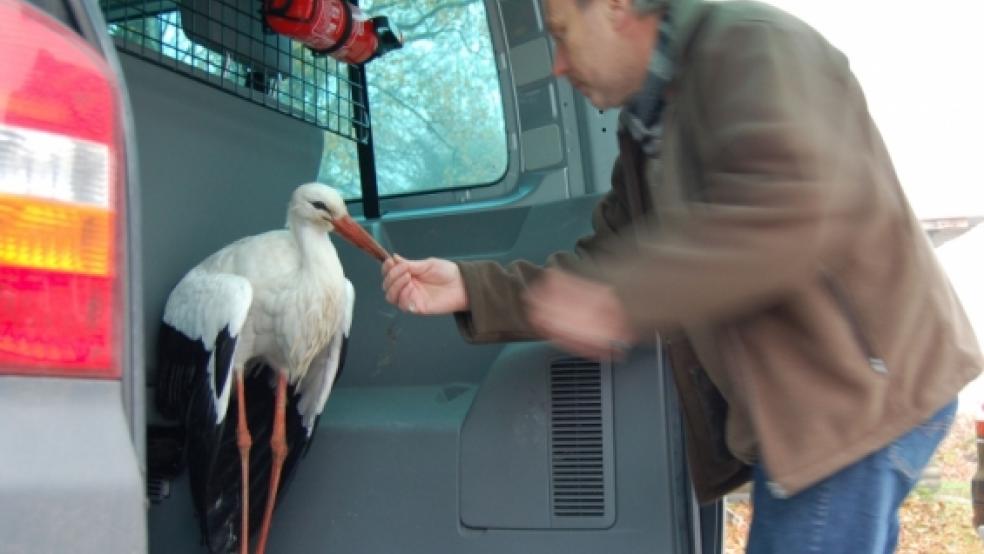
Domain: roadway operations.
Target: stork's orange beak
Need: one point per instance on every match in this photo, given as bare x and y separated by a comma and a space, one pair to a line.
354, 233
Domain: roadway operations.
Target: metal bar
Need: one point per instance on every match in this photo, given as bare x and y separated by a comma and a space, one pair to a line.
363, 131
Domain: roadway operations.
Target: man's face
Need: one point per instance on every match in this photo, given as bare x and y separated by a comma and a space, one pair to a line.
594, 51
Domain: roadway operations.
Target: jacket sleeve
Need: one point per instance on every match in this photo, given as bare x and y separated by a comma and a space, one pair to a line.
495, 291
770, 103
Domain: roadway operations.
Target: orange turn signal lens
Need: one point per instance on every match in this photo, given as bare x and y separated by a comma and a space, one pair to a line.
55, 236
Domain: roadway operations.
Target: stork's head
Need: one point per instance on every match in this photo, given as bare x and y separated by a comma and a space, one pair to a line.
322, 206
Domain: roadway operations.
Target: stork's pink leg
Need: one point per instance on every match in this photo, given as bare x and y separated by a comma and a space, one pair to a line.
278, 444
244, 441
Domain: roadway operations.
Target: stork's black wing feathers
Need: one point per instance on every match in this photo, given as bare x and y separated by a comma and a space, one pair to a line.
186, 391
218, 513
182, 368
181, 361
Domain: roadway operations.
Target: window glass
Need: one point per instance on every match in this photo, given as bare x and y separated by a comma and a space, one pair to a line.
436, 107
437, 112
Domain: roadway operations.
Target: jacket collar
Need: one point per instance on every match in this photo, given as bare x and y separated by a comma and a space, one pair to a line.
641, 117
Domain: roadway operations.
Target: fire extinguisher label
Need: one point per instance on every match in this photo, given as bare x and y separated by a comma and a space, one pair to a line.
361, 44
326, 26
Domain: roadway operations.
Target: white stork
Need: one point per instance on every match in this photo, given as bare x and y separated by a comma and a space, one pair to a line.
273, 311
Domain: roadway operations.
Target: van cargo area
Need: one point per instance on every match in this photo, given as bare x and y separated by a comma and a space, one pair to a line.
460, 144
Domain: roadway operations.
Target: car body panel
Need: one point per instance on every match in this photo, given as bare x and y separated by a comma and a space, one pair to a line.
69, 473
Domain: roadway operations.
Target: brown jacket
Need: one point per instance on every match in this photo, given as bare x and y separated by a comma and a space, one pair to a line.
773, 232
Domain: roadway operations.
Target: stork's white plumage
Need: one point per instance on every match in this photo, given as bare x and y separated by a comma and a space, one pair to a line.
273, 312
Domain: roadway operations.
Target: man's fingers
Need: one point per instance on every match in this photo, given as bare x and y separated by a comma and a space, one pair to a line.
405, 299
398, 271
397, 287
392, 275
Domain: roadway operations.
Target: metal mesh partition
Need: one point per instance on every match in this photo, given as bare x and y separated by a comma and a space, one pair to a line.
225, 44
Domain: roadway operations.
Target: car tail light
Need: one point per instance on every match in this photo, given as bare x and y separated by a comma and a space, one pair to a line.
61, 170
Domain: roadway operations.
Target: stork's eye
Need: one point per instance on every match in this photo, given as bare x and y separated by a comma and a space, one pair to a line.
321, 206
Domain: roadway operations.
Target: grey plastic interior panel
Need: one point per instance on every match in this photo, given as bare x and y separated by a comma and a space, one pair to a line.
538, 106
531, 61
68, 459
542, 143
524, 20
392, 348
599, 144
384, 475
383, 489
537, 445
542, 147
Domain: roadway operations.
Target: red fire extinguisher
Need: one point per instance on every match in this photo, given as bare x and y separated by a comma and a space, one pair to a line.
333, 27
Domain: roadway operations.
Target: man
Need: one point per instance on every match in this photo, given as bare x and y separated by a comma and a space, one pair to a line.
755, 220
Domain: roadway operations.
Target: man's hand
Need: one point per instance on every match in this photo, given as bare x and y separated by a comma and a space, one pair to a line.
431, 286
581, 316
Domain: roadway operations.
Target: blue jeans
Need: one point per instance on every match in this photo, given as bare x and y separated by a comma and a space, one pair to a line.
854, 511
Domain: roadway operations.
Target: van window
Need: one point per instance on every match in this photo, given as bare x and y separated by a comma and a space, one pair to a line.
435, 105
437, 112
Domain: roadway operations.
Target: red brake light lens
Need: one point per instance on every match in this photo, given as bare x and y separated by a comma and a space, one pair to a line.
60, 166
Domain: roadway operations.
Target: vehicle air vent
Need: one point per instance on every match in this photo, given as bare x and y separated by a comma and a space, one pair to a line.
580, 441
